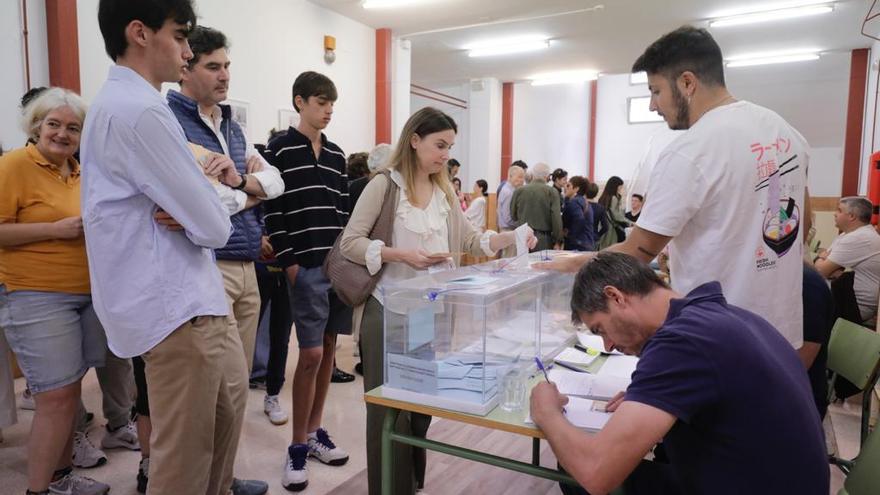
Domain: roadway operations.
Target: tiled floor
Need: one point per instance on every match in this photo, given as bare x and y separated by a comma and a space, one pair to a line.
261, 453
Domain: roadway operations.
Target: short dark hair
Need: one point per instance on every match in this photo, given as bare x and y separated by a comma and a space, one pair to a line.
618, 270
640, 197
484, 186
581, 184
592, 190
685, 49
451, 163
115, 15
312, 83
558, 174
31, 94
356, 165
521, 164
203, 41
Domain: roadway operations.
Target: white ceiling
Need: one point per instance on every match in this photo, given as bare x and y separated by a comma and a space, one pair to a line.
607, 39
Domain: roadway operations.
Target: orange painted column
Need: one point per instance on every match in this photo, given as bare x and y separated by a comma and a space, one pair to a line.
594, 93
383, 85
855, 118
506, 128
63, 42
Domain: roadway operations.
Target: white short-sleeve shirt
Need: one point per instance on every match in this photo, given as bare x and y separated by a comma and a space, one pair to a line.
730, 192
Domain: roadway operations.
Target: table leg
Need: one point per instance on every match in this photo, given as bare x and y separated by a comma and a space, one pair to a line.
536, 451
387, 467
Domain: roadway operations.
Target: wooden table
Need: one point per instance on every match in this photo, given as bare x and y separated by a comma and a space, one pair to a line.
497, 419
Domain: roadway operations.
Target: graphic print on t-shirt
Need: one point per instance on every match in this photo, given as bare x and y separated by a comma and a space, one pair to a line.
781, 222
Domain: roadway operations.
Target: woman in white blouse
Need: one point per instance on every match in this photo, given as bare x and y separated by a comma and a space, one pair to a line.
428, 226
476, 212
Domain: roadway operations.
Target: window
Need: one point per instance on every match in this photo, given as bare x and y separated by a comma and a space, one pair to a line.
638, 110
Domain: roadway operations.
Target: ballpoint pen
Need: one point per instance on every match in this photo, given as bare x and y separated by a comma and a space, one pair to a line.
543, 370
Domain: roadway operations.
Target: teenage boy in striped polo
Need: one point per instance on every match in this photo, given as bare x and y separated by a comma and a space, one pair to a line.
303, 224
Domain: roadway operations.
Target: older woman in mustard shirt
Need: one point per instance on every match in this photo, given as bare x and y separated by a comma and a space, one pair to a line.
45, 301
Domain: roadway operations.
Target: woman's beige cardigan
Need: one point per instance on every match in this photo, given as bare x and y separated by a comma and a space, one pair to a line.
355, 241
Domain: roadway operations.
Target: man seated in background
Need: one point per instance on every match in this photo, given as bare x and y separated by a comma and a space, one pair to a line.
856, 248
721, 387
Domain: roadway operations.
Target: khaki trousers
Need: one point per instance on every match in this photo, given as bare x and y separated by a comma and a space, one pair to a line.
197, 379
243, 295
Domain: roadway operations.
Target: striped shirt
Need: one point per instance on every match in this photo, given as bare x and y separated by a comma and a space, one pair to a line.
305, 220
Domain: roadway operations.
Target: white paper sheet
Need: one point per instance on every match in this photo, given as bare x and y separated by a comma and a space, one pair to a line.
583, 413
585, 385
622, 366
574, 357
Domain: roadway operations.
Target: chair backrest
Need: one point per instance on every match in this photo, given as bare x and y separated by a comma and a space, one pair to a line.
864, 479
853, 352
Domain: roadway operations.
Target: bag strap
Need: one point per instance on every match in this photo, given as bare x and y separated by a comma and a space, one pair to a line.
384, 224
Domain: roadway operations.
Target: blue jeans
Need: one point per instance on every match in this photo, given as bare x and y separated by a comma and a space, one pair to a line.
56, 337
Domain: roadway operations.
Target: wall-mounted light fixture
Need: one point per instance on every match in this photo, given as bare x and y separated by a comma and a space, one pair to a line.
329, 49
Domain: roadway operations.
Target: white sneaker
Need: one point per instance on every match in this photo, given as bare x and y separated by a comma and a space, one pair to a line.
124, 437
277, 415
296, 470
323, 449
74, 484
86, 455
26, 401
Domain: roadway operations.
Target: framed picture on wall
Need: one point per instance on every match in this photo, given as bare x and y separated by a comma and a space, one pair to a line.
240, 114
287, 118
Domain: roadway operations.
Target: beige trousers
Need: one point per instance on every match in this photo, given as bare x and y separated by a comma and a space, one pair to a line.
197, 379
243, 295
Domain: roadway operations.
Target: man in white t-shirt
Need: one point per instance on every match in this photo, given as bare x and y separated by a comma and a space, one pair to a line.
728, 194
857, 248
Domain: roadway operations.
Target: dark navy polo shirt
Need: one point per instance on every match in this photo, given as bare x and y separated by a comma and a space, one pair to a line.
747, 422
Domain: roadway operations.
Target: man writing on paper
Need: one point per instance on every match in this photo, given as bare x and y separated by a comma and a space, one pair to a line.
722, 389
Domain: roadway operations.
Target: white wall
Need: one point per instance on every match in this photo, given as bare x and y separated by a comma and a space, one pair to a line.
460, 151
826, 171
401, 78
13, 80
551, 124
484, 140
619, 145
871, 128
267, 53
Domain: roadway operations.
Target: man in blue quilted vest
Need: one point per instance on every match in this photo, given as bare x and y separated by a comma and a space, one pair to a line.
207, 123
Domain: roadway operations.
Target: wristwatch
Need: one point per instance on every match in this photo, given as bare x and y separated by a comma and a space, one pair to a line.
243, 182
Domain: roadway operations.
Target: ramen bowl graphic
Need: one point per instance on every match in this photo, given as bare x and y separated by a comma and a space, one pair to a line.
781, 226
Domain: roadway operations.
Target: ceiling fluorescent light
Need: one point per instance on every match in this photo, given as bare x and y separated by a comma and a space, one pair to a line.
386, 4
773, 58
771, 15
508, 46
566, 77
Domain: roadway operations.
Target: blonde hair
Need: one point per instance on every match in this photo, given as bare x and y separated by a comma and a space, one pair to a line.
422, 123
35, 112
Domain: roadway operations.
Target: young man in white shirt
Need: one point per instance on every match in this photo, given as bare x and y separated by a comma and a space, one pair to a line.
727, 195
857, 248
152, 221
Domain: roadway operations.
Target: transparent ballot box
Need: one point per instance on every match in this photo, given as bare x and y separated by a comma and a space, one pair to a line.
451, 336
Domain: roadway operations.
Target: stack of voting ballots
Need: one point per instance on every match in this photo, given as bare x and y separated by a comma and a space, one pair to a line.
451, 335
